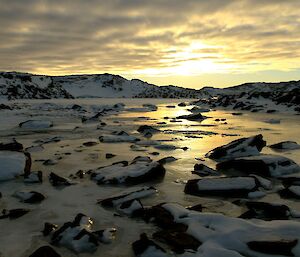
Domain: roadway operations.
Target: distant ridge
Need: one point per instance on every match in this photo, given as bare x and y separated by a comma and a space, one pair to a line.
17, 85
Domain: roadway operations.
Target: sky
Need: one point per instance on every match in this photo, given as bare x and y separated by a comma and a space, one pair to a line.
190, 43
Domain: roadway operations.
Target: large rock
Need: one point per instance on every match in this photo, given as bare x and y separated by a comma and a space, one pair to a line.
285, 145
242, 147
36, 124
192, 117
135, 173
132, 194
11, 145
264, 165
13, 164
223, 186
45, 251
266, 211
145, 247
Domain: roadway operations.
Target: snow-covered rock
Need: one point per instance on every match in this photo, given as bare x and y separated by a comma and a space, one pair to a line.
29, 196
36, 124
238, 148
263, 165
131, 194
223, 186
285, 145
13, 164
119, 137
133, 174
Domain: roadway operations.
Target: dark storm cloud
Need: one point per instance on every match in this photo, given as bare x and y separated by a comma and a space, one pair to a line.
58, 36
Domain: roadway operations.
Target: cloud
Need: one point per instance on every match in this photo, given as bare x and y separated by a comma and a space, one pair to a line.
129, 36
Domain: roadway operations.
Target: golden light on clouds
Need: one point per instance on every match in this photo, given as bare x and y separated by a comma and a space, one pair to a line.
189, 43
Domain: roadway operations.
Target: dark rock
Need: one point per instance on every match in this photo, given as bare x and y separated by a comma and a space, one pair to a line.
14, 213
5, 107
197, 208
178, 241
237, 113
285, 145
90, 143
30, 196
292, 192
223, 186
56, 180
48, 228
45, 251
266, 211
167, 160
109, 155
140, 246
11, 145
145, 129
282, 247
271, 111
263, 165
193, 117
238, 148
182, 104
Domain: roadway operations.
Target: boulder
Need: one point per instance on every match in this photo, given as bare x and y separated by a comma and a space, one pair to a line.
29, 196
14, 213
223, 186
285, 145
13, 164
280, 247
192, 117
135, 173
238, 148
56, 180
145, 247
11, 145
45, 251
36, 124
263, 165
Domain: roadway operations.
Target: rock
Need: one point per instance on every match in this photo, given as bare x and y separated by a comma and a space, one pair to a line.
146, 159
49, 228
34, 149
223, 186
263, 165
167, 160
77, 235
14, 213
133, 208
182, 104
45, 251
197, 109
280, 247
29, 196
13, 164
266, 211
34, 177
151, 107
138, 172
290, 192
90, 143
106, 235
271, 111
285, 145
290, 181
144, 129
238, 148
11, 145
36, 124
178, 241
50, 162
193, 117
56, 180
166, 147
5, 107
237, 113
126, 196
109, 155
145, 247
203, 170
118, 137
272, 121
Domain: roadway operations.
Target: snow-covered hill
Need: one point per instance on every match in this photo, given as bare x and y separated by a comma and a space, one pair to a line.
15, 85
